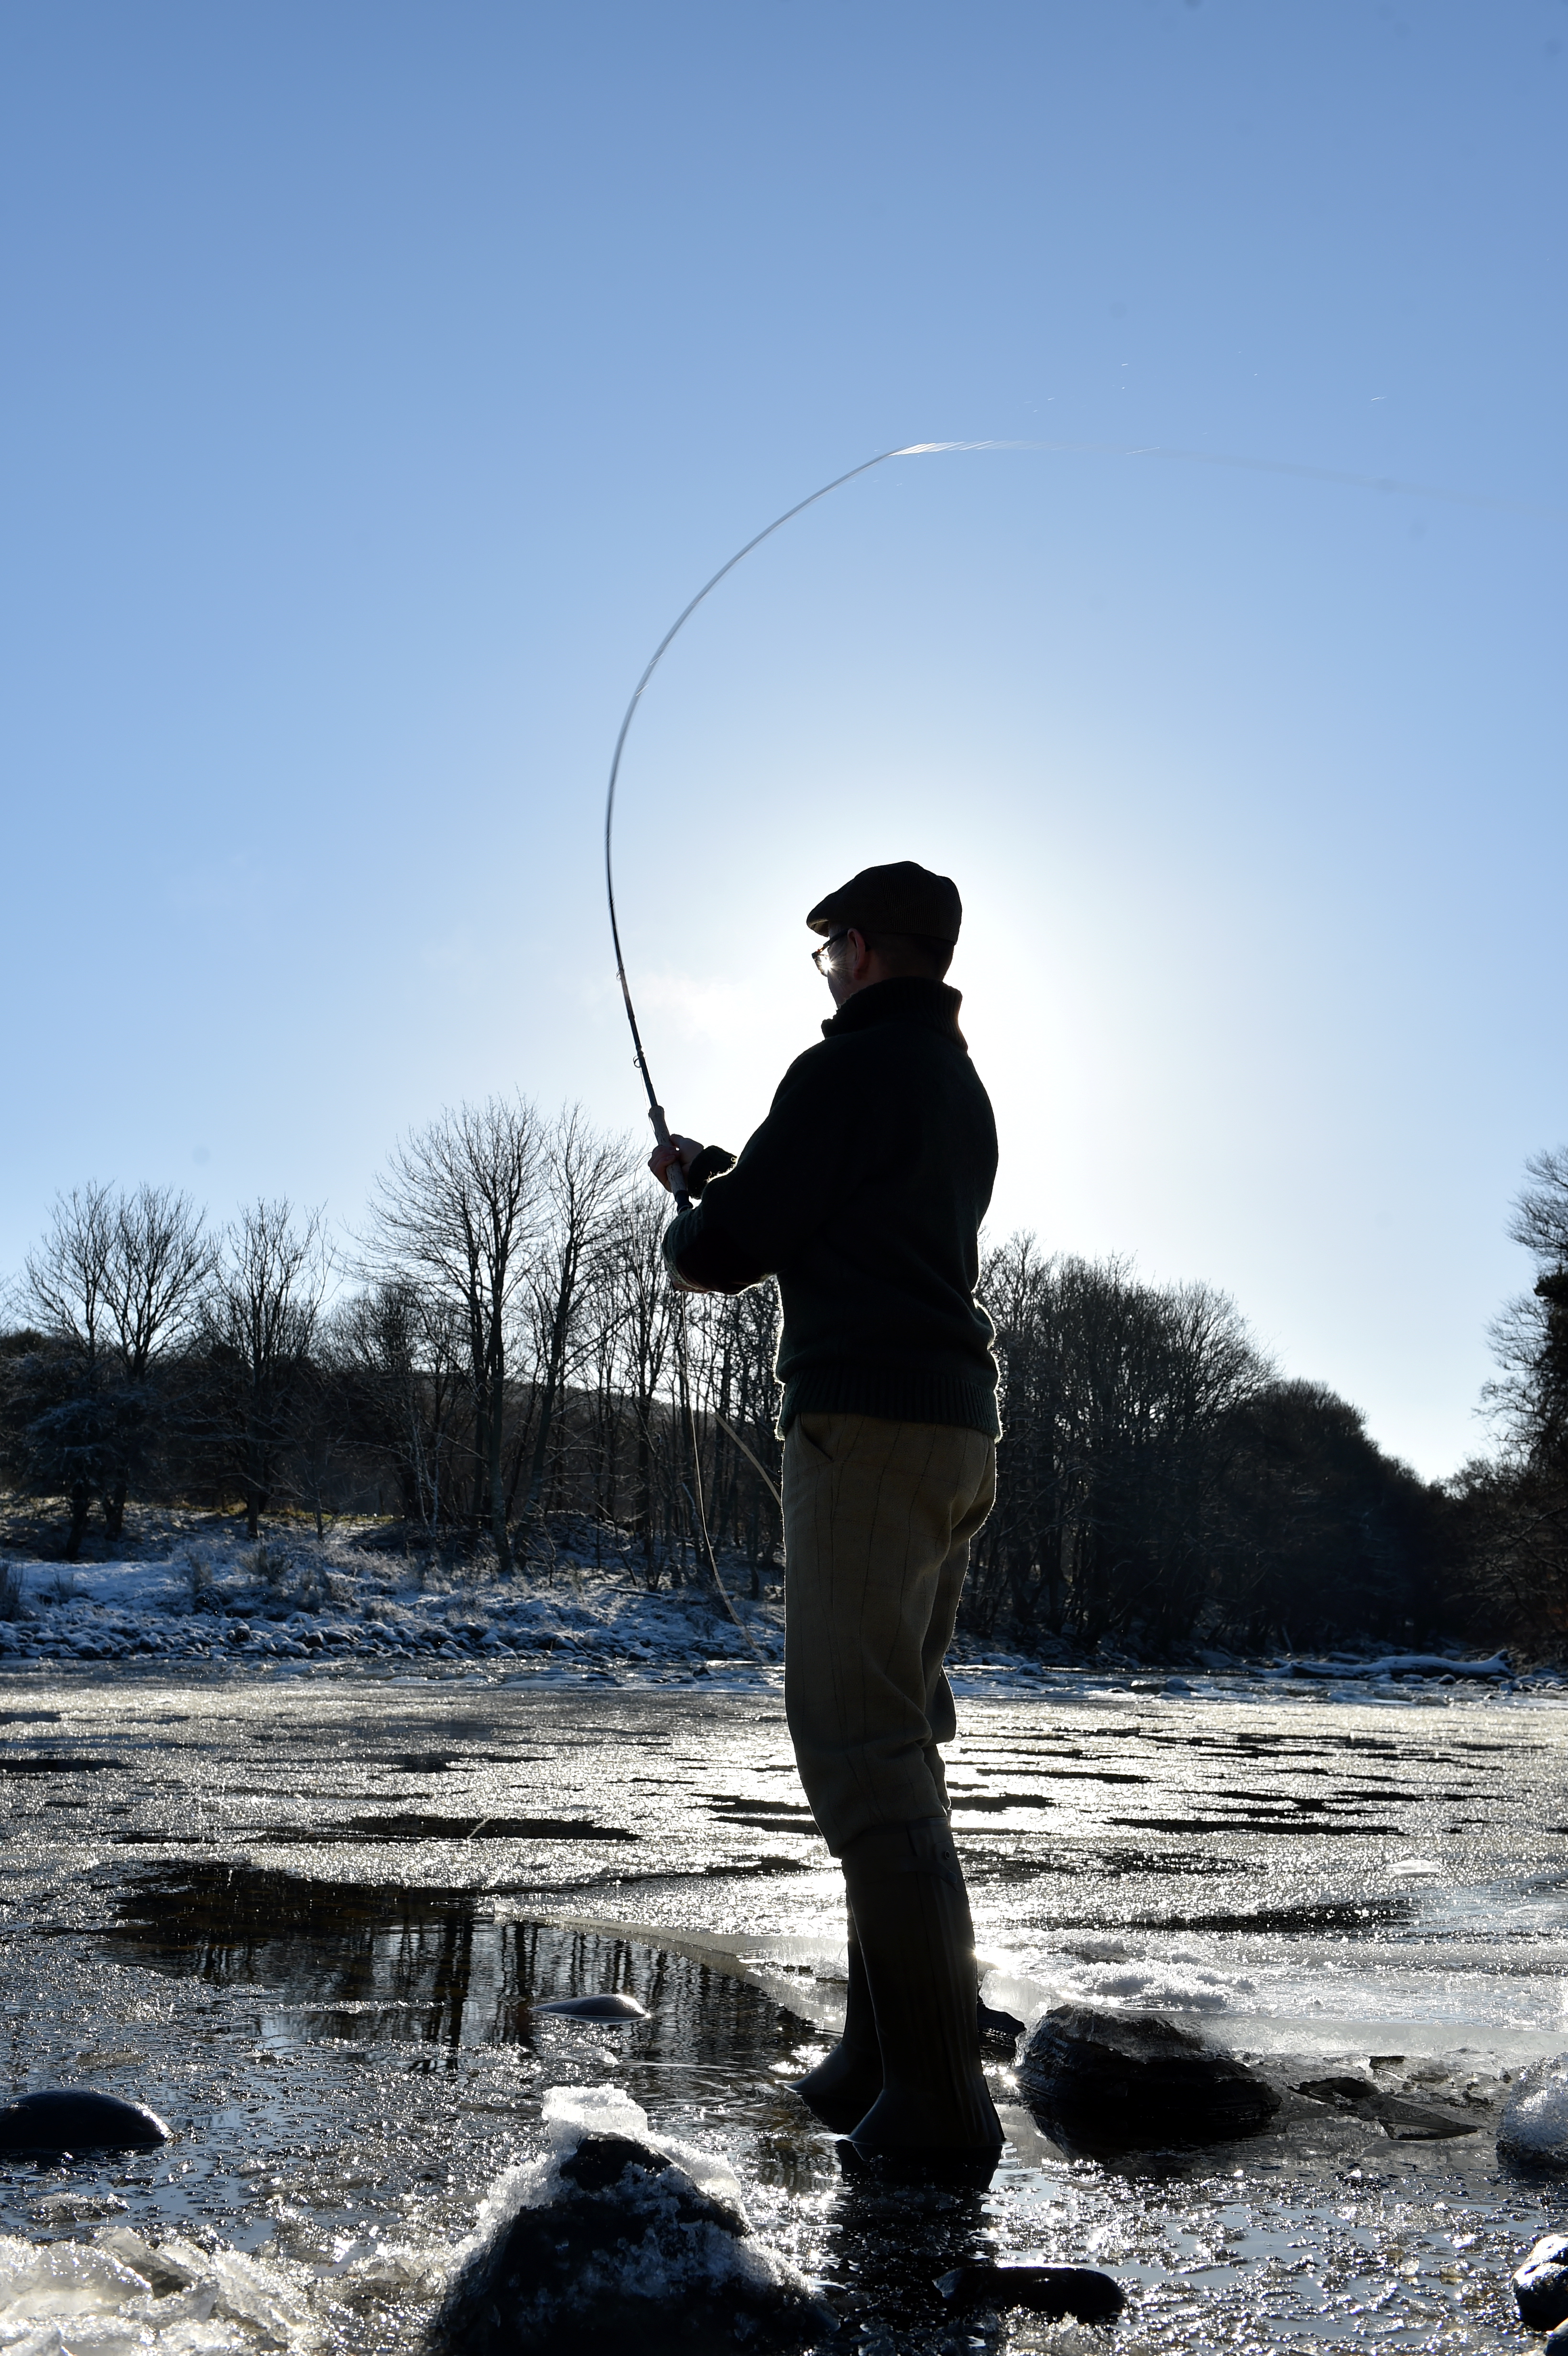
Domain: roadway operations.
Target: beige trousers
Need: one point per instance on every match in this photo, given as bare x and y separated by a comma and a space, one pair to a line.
878, 1517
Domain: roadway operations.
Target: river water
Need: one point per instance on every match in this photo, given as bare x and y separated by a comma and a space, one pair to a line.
307, 1918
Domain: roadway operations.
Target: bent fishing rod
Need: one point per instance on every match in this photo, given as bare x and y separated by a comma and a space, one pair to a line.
656, 1110
1333, 476
675, 1175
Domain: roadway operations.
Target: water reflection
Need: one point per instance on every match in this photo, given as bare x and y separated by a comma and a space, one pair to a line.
372, 1963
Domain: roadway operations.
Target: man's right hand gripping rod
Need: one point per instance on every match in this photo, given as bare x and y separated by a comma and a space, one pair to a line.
675, 1174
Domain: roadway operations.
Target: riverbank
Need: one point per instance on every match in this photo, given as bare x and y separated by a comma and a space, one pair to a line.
188, 1590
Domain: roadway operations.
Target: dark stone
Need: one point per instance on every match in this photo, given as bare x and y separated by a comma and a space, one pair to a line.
1416, 2122
1406, 2122
1541, 2285
999, 2032
1056, 2291
627, 2251
1106, 2081
594, 2007
1337, 2091
74, 2118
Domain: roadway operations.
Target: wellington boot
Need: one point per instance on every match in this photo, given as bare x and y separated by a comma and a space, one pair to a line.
934, 2116
842, 2089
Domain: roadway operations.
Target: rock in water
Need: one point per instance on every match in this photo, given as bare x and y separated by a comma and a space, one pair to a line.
74, 2118
1000, 2031
1541, 2285
1109, 2081
1081, 2292
614, 2242
1533, 2130
1405, 2121
594, 2007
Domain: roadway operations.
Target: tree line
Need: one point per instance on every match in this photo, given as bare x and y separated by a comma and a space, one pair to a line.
496, 1360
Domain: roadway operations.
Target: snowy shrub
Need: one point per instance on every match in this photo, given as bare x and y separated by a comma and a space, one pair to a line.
270, 1563
200, 1587
12, 1606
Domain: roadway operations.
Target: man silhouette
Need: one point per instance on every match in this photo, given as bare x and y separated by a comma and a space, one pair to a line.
863, 1193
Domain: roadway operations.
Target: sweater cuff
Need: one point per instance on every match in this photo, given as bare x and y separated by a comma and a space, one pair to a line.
712, 1163
705, 1256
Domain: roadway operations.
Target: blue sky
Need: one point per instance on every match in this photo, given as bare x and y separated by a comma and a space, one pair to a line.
380, 382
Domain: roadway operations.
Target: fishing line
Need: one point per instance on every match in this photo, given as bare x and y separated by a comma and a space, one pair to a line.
1390, 485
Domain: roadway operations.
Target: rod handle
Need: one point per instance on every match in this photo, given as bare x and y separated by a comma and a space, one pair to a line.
677, 1175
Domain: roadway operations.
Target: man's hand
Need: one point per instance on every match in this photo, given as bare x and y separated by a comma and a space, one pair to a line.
684, 1149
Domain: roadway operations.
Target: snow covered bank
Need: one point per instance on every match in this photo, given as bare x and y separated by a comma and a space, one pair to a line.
200, 1595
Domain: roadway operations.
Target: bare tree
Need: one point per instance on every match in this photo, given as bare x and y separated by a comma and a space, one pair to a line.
1529, 1398
458, 1210
1515, 1510
400, 1349
66, 1285
644, 1313
160, 1260
260, 1315
584, 1173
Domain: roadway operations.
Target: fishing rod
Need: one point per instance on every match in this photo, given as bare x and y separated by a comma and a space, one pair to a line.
1388, 485
675, 1175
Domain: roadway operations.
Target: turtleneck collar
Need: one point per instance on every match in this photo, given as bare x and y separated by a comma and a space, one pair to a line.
907, 998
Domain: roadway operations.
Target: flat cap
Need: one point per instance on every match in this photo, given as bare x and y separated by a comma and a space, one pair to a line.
899, 898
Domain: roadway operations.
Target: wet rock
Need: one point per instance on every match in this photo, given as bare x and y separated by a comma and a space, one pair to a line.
1405, 2121
1533, 2131
1079, 2292
594, 2007
1340, 2092
1109, 2081
1000, 2031
615, 2242
74, 2118
1541, 2285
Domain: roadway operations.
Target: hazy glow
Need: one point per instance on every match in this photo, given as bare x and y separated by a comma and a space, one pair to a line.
381, 384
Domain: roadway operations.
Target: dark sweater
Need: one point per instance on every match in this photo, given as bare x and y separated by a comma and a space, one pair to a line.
863, 1193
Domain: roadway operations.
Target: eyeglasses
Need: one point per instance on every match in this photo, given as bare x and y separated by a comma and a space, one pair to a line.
821, 959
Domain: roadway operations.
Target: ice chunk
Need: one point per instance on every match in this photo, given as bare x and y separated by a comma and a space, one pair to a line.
1534, 2124
709, 2172
1163, 1988
572, 2112
369, 2263
62, 2278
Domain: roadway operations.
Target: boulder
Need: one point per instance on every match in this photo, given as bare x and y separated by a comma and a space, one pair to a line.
615, 2240
1105, 2080
594, 2007
1081, 2292
75, 2118
1541, 2285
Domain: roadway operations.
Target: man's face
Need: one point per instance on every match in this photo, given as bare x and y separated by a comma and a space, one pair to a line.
839, 961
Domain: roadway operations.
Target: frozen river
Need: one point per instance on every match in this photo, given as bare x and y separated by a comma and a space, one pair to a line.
306, 1917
